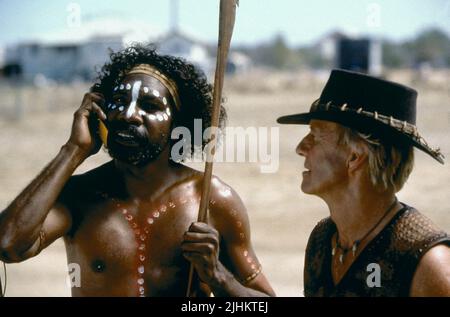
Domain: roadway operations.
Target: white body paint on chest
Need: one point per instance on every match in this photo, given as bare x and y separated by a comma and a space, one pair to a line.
134, 97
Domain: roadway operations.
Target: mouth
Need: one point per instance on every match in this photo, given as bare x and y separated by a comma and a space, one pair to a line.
126, 139
306, 171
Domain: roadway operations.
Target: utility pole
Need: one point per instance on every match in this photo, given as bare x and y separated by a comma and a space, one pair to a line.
174, 15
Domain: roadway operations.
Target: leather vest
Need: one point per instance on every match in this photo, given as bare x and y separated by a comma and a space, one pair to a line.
393, 254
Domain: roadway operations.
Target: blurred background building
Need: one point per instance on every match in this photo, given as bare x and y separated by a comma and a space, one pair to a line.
67, 58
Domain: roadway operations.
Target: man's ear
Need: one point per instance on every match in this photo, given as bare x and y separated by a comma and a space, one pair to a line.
357, 157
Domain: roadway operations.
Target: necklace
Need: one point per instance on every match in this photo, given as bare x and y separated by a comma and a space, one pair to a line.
356, 243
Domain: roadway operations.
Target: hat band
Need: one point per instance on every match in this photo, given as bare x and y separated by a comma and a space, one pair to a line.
155, 73
402, 126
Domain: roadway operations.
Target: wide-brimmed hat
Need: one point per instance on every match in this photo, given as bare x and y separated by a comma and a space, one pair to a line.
384, 109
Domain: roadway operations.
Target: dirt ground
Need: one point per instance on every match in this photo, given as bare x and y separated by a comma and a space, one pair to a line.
281, 215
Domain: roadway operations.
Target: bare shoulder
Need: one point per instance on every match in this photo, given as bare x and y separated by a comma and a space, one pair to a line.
99, 179
432, 276
227, 211
223, 196
102, 174
79, 191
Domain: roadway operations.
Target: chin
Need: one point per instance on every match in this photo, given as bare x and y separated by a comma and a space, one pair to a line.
138, 158
307, 188
140, 162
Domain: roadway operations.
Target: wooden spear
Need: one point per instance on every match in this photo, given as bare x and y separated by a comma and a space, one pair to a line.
226, 24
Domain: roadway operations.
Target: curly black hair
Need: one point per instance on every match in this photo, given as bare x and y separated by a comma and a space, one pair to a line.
194, 91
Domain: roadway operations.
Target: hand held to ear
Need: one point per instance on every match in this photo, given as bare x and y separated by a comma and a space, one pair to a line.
85, 126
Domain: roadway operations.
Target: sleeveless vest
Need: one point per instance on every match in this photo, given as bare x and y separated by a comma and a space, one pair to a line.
393, 254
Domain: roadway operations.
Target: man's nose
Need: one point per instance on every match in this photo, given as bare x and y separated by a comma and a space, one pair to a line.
131, 114
303, 146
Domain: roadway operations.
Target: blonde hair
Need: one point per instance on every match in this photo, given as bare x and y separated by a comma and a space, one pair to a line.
389, 165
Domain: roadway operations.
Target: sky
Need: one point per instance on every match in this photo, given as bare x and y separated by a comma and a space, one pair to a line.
300, 22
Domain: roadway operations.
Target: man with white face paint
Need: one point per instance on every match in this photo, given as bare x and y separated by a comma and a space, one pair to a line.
130, 223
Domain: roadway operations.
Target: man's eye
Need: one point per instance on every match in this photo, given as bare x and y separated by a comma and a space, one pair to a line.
148, 106
119, 100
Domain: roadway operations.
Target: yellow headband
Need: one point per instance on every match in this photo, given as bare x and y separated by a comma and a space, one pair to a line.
168, 83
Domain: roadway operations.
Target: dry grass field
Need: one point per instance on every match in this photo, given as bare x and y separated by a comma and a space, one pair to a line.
281, 215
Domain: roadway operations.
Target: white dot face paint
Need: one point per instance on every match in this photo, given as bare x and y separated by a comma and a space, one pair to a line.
113, 107
165, 116
152, 117
156, 93
165, 101
121, 108
141, 112
159, 117
168, 111
115, 88
121, 87
146, 90
128, 86
134, 97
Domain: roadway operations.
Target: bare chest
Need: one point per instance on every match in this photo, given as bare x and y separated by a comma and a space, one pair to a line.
130, 248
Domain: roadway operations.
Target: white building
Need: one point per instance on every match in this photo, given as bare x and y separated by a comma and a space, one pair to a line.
177, 44
62, 62
79, 58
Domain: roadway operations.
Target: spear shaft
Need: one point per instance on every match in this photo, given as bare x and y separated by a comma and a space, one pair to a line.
227, 17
